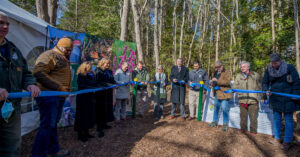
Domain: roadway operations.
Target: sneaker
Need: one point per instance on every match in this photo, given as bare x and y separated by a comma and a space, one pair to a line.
106, 126
242, 131
100, 134
61, 153
213, 124
171, 117
286, 146
190, 118
225, 127
162, 117
275, 142
181, 119
156, 119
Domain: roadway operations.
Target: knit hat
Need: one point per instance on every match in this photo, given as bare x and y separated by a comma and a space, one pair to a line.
275, 57
65, 42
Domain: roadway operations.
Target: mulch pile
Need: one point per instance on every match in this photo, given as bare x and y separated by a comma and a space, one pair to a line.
143, 137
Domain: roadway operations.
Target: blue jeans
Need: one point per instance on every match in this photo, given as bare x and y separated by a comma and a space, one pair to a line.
182, 110
288, 130
46, 140
158, 110
224, 105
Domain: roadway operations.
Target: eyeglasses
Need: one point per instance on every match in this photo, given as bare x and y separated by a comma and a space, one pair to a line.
217, 67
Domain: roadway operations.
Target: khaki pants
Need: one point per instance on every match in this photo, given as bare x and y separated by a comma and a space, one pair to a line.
142, 101
252, 111
193, 102
297, 117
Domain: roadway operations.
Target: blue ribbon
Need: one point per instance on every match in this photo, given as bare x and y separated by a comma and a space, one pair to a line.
256, 91
59, 93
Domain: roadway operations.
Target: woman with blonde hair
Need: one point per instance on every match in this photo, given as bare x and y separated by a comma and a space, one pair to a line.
104, 98
85, 103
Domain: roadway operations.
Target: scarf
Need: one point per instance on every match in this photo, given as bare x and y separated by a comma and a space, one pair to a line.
162, 89
278, 72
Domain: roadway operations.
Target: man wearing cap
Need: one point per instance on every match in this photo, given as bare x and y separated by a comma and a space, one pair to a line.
52, 71
14, 76
281, 77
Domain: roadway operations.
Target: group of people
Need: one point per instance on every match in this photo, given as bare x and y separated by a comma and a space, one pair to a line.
52, 73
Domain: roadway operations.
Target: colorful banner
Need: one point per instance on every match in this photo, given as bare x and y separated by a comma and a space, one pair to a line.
124, 52
95, 48
55, 34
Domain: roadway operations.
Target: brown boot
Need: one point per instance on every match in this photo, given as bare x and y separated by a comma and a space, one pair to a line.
181, 119
171, 117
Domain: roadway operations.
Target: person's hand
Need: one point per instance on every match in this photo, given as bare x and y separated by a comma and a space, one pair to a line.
142, 83
164, 84
3, 94
262, 101
214, 79
268, 93
63, 89
34, 90
175, 80
145, 83
191, 82
182, 81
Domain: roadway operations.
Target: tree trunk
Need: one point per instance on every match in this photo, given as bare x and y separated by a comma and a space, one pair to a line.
52, 11
174, 31
195, 31
156, 34
190, 16
273, 26
182, 29
161, 22
42, 10
218, 30
124, 21
203, 32
147, 40
296, 34
136, 18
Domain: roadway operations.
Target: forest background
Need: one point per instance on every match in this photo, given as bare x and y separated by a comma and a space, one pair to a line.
204, 30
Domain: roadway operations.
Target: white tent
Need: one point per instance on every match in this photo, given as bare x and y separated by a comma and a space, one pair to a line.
26, 31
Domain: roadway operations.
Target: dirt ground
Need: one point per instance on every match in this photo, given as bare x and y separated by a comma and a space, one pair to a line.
143, 137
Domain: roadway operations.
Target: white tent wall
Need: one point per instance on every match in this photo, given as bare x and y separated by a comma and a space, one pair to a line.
28, 33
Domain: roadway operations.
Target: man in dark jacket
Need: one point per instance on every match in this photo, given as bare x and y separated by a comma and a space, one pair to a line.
195, 76
281, 77
179, 75
14, 76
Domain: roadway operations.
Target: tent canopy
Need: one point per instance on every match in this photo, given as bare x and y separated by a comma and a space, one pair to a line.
26, 31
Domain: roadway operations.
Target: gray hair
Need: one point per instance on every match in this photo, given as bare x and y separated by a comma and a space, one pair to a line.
180, 59
124, 63
245, 62
3, 14
159, 67
220, 63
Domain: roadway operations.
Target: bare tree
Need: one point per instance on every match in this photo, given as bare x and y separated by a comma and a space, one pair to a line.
124, 21
52, 11
136, 17
156, 34
174, 31
296, 34
193, 38
182, 29
42, 10
161, 21
47, 10
203, 32
190, 14
273, 26
218, 30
